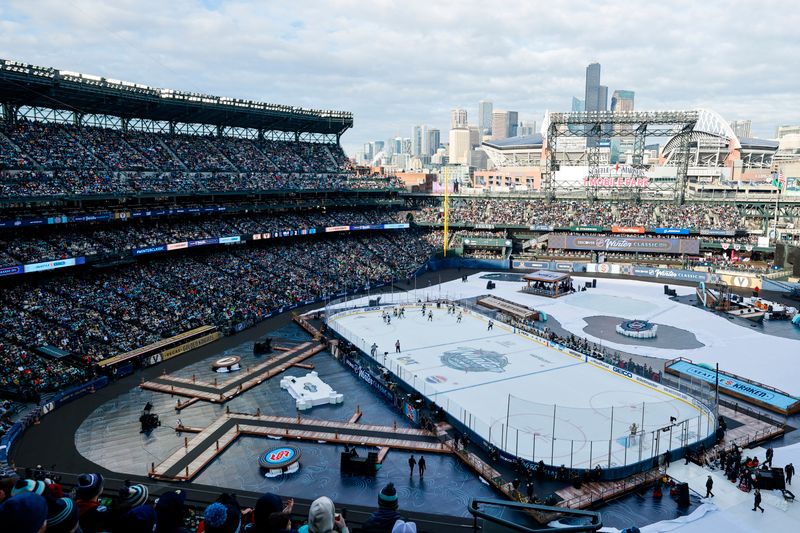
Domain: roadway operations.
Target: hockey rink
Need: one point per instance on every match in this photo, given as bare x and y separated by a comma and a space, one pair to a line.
517, 391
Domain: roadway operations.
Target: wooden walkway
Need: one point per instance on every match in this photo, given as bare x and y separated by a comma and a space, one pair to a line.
215, 392
197, 452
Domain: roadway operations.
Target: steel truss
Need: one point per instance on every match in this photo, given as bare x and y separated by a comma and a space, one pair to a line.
597, 126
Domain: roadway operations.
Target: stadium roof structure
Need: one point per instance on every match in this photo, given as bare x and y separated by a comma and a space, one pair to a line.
522, 141
521, 151
29, 85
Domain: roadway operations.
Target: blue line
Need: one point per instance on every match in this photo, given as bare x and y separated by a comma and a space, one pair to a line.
509, 378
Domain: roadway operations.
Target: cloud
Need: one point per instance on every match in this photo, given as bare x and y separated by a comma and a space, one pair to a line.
395, 65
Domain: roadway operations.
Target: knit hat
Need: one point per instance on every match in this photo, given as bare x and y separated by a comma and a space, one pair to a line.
387, 499
404, 527
89, 486
62, 515
320, 515
170, 509
133, 496
221, 518
266, 505
29, 485
141, 519
24, 513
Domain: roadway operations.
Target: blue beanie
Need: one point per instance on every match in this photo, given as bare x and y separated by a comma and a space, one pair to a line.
387, 498
24, 513
29, 485
221, 518
141, 519
62, 515
89, 486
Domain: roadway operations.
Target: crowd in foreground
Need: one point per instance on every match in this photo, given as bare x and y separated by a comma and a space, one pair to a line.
41, 505
98, 313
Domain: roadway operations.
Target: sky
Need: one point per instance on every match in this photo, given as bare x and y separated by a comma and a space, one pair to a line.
396, 64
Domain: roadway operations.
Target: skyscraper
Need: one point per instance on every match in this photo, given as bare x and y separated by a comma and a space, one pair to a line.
577, 104
485, 117
602, 98
592, 94
741, 128
527, 128
622, 101
416, 140
458, 118
504, 124
434, 140
459, 146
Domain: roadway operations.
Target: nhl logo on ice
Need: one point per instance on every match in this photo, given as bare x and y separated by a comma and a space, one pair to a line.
474, 360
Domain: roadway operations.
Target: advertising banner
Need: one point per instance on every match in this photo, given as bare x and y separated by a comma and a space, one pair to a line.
672, 231
150, 249
226, 240
203, 242
627, 229
177, 246
11, 270
603, 268
670, 273
51, 265
541, 227
530, 265
624, 244
396, 226
734, 385
332, 229
594, 229
718, 232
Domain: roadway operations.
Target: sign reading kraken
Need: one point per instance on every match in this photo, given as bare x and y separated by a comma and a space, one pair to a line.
474, 360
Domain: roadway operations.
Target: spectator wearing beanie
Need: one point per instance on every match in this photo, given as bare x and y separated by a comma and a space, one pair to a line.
6, 486
170, 512
62, 516
221, 518
382, 520
94, 516
141, 519
265, 506
30, 485
322, 518
130, 497
24, 513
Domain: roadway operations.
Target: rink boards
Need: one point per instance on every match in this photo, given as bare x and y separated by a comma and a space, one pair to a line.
509, 386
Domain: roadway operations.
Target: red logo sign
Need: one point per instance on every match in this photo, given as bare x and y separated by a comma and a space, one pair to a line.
280, 456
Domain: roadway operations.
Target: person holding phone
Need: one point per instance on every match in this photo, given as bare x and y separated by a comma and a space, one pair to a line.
323, 518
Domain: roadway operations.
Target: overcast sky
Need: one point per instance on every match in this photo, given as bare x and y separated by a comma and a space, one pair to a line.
395, 64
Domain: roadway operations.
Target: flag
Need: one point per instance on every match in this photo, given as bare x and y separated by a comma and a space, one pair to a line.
778, 180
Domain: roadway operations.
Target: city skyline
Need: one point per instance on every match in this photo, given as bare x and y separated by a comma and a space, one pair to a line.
315, 55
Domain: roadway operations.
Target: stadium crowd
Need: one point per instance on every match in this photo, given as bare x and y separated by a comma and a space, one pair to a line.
53, 159
39, 504
98, 313
530, 212
56, 242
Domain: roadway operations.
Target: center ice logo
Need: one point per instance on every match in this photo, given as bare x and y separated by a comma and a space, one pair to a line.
474, 360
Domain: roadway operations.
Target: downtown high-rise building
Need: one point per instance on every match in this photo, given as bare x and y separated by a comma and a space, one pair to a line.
458, 118
741, 128
485, 117
577, 104
416, 140
527, 128
434, 139
596, 95
622, 101
504, 124
459, 146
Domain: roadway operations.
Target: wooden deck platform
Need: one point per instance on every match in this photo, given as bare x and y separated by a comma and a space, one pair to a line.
199, 451
217, 392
